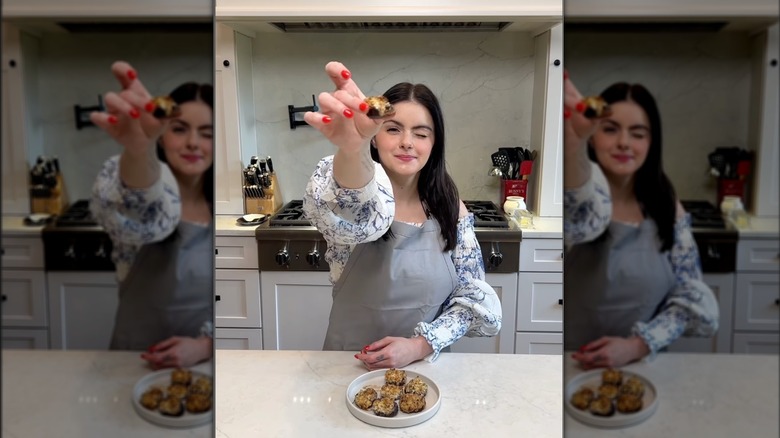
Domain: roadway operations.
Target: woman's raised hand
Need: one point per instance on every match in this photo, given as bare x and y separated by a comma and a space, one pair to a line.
342, 114
577, 127
128, 117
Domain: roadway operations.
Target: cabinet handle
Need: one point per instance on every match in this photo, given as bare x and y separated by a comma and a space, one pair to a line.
777, 301
217, 298
216, 251
226, 63
560, 302
5, 297
557, 62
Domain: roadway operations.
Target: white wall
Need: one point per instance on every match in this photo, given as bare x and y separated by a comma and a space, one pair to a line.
484, 83
73, 69
701, 82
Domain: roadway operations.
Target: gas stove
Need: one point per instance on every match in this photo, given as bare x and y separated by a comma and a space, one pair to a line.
288, 241
715, 238
75, 242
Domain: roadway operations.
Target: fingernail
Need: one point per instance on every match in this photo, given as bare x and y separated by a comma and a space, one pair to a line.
113, 120
363, 106
346, 74
566, 113
565, 75
134, 113
580, 107
348, 113
356, 356
150, 106
326, 119
131, 74
367, 347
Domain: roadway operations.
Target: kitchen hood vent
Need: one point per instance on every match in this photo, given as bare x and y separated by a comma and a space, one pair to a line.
138, 27
428, 26
629, 27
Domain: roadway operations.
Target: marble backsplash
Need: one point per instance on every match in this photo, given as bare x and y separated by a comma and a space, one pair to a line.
73, 69
701, 82
484, 82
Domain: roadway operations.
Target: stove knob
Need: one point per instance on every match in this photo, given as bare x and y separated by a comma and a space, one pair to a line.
70, 252
283, 257
313, 257
495, 259
101, 252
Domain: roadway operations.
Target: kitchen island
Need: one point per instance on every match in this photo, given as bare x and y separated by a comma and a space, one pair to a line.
699, 395
303, 394
57, 393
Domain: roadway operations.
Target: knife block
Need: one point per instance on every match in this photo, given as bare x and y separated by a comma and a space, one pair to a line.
269, 204
55, 203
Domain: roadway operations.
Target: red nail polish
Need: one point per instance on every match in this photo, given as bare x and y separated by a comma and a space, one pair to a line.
113, 120
356, 356
566, 113
134, 113
346, 74
348, 113
363, 106
580, 107
366, 347
132, 74
565, 75
326, 119
150, 106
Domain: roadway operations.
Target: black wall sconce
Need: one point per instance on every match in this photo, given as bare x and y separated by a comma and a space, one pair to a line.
82, 113
292, 111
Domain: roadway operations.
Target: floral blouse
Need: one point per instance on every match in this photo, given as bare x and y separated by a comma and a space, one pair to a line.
349, 217
690, 309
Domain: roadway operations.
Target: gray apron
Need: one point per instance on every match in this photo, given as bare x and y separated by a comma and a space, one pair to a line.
168, 290
613, 282
387, 287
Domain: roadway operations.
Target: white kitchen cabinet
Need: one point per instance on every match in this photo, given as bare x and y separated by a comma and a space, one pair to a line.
237, 252
722, 285
757, 305
27, 339
82, 309
15, 190
228, 195
22, 252
296, 309
540, 297
25, 321
758, 255
505, 286
547, 129
238, 339
756, 343
150, 9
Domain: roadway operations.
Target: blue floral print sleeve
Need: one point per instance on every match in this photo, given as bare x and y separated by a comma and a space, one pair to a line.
348, 217
587, 210
134, 217
690, 308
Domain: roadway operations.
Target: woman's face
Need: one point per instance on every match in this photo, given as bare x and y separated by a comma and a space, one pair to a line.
621, 141
405, 141
188, 142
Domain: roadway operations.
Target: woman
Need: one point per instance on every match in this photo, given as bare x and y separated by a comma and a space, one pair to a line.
405, 263
633, 282
155, 201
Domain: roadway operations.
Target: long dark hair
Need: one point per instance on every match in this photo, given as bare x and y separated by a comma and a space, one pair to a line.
436, 188
194, 92
652, 187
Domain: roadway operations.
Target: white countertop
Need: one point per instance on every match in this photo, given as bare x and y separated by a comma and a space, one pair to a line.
14, 226
760, 227
303, 394
700, 395
544, 228
225, 225
56, 393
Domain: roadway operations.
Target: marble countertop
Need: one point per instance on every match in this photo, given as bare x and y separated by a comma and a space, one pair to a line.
14, 226
760, 227
544, 228
57, 393
225, 225
303, 393
712, 395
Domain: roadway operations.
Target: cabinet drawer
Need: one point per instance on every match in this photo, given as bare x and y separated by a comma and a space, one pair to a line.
238, 339
541, 255
757, 303
22, 252
235, 252
540, 302
538, 343
237, 298
756, 343
758, 255
24, 299
26, 339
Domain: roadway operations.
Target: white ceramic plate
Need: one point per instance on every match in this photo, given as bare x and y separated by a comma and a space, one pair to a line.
376, 379
592, 379
162, 379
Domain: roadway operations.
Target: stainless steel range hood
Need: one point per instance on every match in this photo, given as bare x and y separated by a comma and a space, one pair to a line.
423, 26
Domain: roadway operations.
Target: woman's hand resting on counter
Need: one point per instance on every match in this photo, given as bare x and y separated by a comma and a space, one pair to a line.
394, 352
610, 351
179, 351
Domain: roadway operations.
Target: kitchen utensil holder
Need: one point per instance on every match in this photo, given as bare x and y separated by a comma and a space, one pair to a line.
514, 187
731, 187
268, 204
54, 203
293, 110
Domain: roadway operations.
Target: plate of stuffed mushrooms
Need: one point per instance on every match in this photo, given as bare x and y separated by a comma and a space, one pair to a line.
611, 398
393, 398
179, 398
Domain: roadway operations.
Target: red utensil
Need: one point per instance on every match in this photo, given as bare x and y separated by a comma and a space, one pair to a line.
525, 168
